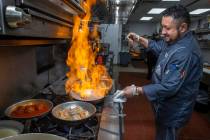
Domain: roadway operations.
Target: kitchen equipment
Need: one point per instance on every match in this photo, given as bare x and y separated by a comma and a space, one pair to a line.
46, 19
28, 111
10, 128
92, 99
70, 105
35, 136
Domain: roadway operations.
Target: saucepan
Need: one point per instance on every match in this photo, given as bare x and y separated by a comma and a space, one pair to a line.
73, 113
29, 109
35, 136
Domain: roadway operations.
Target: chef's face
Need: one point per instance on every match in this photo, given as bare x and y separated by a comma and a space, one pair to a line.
171, 31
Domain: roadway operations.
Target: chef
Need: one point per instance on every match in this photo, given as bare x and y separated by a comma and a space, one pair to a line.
175, 80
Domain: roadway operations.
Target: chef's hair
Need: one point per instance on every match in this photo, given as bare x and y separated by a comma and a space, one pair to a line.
178, 13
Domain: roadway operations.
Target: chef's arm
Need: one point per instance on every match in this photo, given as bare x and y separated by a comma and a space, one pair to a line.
172, 78
148, 44
133, 37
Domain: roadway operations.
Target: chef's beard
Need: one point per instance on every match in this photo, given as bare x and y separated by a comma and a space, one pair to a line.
170, 41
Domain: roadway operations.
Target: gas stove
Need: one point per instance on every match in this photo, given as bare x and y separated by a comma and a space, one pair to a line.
106, 124
48, 124
84, 131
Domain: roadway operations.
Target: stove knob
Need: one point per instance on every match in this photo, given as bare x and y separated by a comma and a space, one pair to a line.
16, 17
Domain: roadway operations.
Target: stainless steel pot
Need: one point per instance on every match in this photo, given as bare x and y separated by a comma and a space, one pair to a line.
67, 105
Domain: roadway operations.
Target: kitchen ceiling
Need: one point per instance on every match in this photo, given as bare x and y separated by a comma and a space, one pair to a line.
132, 10
121, 10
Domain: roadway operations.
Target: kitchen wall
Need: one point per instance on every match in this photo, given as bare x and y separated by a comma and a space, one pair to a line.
19, 79
111, 33
146, 28
17, 74
204, 45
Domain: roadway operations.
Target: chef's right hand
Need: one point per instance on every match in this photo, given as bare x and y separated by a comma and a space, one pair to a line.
132, 37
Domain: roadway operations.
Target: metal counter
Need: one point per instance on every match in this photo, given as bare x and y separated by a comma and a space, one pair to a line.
112, 121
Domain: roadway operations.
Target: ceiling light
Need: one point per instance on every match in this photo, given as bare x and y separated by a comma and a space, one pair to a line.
170, 0
146, 18
156, 10
117, 7
199, 11
117, 1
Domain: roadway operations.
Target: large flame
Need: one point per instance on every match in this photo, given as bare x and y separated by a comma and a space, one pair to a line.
84, 74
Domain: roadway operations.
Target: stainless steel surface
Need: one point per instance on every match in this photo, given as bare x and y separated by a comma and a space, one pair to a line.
16, 17
29, 42
92, 99
10, 109
86, 106
111, 127
38, 19
61, 9
37, 14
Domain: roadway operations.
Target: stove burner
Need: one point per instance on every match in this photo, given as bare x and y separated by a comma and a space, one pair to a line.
47, 124
85, 131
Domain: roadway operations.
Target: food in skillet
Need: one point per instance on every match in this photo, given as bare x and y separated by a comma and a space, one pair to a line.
29, 110
73, 113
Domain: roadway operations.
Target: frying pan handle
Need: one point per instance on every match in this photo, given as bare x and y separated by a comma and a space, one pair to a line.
27, 126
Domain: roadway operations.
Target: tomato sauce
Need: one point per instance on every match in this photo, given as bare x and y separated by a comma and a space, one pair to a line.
29, 111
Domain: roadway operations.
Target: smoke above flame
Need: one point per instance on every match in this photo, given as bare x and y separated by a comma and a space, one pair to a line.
85, 74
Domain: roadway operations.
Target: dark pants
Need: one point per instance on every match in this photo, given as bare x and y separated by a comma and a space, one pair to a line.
166, 133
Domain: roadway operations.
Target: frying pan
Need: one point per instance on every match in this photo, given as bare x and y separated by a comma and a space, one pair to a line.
10, 109
29, 117
67, 105
35, 136
92, 99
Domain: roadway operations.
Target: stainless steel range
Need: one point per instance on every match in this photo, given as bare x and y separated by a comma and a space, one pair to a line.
38, 18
